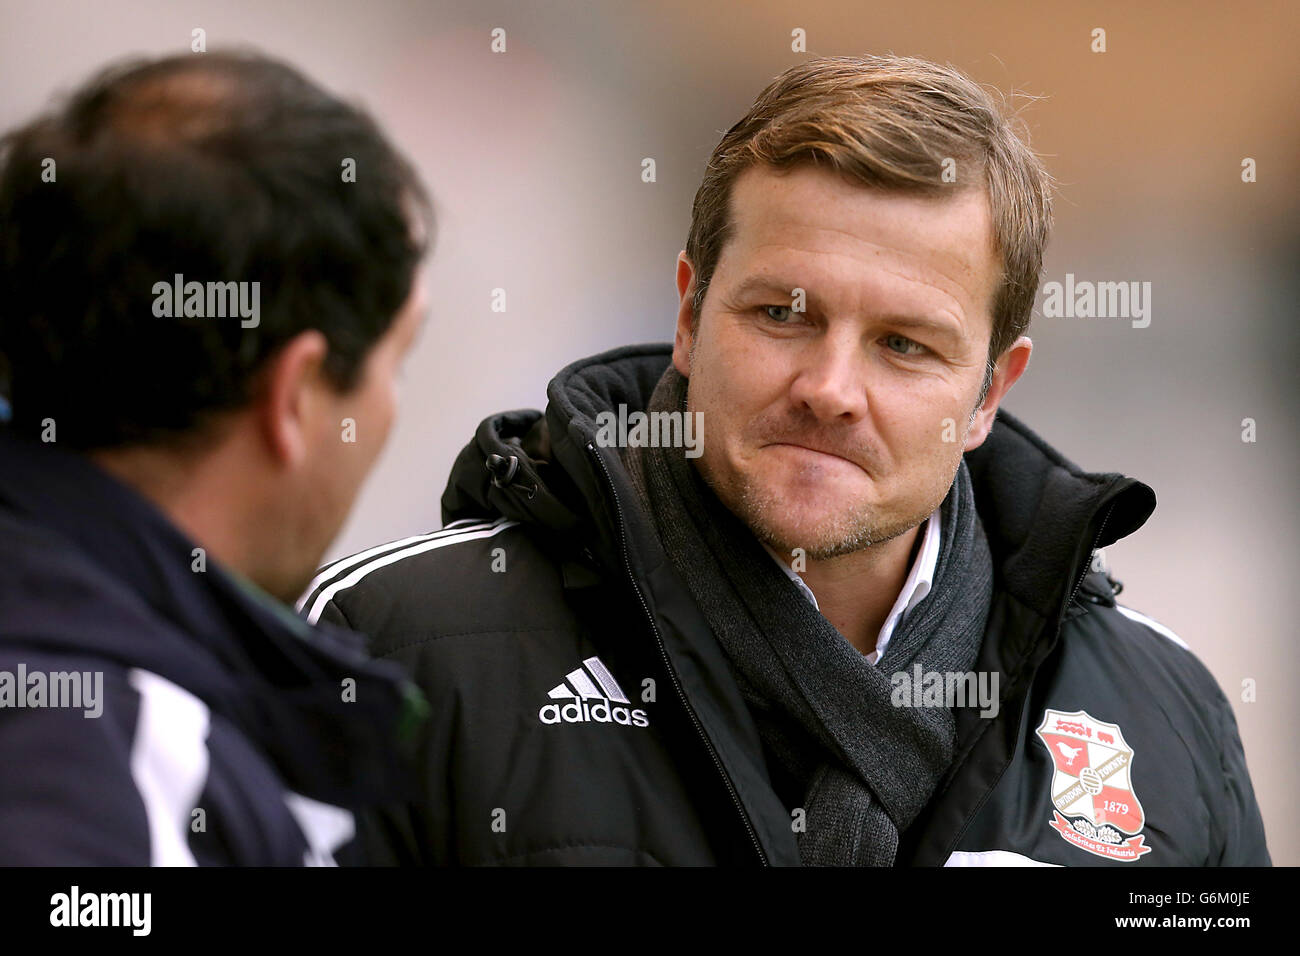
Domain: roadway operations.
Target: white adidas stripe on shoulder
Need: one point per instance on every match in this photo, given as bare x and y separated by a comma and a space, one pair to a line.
1156, 626
458, 536
330, 570
462, 522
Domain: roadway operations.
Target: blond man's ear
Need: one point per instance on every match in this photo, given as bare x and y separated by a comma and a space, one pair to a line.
685, 334
1010, 366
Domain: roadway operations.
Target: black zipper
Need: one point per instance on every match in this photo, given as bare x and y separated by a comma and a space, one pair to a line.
663, 654
1088, 567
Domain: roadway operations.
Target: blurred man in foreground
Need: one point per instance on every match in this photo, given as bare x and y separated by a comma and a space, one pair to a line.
203, 316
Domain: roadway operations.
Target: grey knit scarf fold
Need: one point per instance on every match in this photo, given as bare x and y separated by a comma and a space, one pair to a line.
866, 767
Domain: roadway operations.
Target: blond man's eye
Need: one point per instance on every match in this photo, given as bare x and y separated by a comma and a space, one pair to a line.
903, 345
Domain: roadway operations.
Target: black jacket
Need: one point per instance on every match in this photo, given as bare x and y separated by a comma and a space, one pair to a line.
547, 627
201, 721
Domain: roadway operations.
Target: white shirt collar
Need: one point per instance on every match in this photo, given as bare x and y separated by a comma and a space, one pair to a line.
919, 581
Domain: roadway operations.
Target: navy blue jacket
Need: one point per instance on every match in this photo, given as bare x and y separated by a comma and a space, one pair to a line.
198, 720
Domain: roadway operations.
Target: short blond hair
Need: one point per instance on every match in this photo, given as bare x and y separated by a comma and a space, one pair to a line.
890, 122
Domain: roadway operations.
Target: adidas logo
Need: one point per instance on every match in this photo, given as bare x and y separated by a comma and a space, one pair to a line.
591, 694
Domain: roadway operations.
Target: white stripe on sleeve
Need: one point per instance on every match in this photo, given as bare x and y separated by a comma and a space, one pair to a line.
329, 571
458, 537
1156, 626
169, 763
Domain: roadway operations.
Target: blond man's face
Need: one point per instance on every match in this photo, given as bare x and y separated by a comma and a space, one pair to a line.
843, 425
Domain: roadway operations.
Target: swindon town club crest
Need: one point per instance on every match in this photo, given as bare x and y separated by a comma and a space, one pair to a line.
1092, 786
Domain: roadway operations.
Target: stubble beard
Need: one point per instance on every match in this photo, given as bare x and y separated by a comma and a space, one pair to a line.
856, 528
847, 532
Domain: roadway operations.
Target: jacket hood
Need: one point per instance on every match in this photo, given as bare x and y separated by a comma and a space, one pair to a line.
528, 466
1042, 514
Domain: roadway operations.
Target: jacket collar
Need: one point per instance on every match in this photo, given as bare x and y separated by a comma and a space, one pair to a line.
1044, 515
70, 528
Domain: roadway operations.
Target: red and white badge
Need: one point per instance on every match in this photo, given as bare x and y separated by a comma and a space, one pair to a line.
1092, 786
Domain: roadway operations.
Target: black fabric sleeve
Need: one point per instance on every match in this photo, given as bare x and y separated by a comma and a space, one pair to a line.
1243, 827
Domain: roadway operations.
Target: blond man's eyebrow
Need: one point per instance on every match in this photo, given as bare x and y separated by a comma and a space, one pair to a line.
784, 289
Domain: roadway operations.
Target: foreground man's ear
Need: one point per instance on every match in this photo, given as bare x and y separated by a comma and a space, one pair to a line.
291, 404
1010, 366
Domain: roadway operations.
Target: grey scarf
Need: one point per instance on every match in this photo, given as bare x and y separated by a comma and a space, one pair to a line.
865, 767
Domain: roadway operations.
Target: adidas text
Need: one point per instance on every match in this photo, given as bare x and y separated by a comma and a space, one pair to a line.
600, 711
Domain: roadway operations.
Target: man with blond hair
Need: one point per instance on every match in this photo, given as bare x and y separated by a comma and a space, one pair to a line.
793, 590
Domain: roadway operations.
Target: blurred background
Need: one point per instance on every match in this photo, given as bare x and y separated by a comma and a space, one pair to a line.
534, 156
